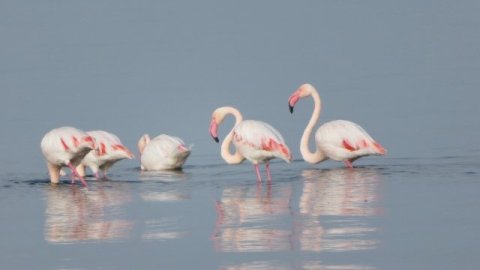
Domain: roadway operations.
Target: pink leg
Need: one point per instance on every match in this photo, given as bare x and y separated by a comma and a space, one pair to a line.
348, 164
97, 175
269, 175
257, 169
75, 173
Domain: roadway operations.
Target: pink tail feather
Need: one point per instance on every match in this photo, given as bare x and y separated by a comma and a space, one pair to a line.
379, 148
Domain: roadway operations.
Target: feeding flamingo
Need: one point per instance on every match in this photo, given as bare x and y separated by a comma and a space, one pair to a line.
109, 150
339, 140
65, 146
163, 152
254, 140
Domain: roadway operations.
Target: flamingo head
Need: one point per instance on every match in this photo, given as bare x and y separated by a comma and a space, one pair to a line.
219, 115
217, 118
302, 91
214, 128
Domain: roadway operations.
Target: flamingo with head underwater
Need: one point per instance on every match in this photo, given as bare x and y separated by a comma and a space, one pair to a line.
163, 152
256, 141
338, 140
109, 150
65, 147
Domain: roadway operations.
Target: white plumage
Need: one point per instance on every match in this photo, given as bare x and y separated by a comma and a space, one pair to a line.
259, 142
65, 147
163, 152
109, 150
338, 140
344, 140
256, 141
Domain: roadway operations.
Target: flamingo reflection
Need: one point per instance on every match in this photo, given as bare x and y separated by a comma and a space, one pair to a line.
168, 194
339, 197
310, 265
74, 214
242, 212
173, 189
163, 176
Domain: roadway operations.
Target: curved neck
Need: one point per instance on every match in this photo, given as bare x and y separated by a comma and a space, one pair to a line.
317, 156
235, 158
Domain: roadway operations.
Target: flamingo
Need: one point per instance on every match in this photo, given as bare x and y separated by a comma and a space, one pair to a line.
109, 150
65, 147
338, 140
256, 141
163, 152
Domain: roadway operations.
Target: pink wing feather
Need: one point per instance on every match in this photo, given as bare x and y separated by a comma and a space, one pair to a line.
261, 136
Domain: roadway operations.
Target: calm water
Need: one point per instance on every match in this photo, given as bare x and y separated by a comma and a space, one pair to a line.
398, 214
406, 71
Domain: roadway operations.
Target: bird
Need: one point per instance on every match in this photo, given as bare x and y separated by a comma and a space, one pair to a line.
109, 150
65, 147
339, 140
254, 140
163, 152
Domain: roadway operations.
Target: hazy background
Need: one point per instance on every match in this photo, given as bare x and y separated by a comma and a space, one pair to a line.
407, 71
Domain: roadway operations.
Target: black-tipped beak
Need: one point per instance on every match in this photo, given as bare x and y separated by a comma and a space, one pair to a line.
216, 139
290, 107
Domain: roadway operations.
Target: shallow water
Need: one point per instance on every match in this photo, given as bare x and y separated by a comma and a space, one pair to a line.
398, 214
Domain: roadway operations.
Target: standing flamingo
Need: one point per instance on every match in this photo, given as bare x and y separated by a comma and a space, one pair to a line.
254, 140
339, 140
163, 152
109, 150
65, 146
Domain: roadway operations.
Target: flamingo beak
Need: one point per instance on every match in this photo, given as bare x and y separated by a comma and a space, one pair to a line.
213, 130
292, 100
290, 107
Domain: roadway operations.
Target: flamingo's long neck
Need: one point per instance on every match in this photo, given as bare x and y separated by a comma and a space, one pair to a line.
318, 155
235, 158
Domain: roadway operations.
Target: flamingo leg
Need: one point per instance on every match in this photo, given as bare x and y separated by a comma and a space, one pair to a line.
75, 173
105, 177
54, 172
269, 175
348, 163
257, 170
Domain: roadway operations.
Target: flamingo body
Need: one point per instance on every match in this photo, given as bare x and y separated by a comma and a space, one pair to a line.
338, 140
163, 152
109, 150
342, 140
256, 141
259, 142
65, 146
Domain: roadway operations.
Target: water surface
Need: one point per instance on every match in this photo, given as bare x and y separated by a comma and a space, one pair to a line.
397, 214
